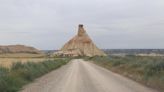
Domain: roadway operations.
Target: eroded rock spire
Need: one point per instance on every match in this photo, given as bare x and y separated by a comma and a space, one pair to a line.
80, 45
81, 30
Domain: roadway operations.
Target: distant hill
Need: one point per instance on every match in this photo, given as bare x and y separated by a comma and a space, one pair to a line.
134, 51
10, 49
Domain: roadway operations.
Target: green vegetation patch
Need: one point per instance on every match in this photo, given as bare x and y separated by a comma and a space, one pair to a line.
144, 69
12, 80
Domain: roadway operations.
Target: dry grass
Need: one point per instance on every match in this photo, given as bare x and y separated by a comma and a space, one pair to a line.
7, 62
21, 55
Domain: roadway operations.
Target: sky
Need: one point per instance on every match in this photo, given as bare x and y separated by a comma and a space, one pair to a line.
112, 24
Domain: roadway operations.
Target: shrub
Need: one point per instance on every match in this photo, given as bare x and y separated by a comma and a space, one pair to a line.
154, 68
145, 69
11, 80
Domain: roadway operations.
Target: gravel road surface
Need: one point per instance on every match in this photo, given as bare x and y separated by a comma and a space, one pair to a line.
82, 76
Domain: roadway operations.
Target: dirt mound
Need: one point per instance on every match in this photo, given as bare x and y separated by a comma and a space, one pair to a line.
80, 45
18, 49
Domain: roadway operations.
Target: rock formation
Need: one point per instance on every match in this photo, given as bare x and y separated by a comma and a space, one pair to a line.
80, 45
18, 49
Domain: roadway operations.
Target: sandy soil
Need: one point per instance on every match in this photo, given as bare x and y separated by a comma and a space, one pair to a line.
7, 62
82, 76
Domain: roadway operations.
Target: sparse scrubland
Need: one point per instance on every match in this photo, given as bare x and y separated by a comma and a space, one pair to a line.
22, 55
12, 79
7, 62
146, 70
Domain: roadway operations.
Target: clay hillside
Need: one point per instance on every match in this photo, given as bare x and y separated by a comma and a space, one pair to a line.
80, 45
18, 49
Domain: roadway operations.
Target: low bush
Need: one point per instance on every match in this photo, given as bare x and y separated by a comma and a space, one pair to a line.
147, 70
11, 80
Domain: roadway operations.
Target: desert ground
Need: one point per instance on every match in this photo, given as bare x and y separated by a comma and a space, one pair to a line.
7, 62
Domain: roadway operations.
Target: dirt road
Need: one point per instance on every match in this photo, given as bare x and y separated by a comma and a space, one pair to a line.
81, 76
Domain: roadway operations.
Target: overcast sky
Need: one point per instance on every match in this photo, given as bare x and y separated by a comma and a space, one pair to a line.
48, 24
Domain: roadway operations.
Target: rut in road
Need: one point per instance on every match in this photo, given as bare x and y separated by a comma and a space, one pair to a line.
83, 76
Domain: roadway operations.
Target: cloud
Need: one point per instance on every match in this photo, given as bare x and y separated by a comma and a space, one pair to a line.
48, 24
